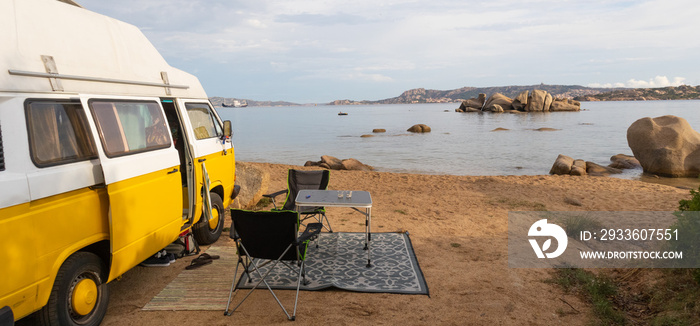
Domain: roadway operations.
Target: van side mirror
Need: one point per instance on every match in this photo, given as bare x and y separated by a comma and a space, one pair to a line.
227, 128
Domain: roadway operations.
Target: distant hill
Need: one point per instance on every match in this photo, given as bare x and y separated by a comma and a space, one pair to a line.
422, 95
683, 92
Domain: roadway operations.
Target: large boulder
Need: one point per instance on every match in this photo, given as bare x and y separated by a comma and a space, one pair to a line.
537, 100
497, 103
419, 128
562, 165
253, 181
666, 145
520, 101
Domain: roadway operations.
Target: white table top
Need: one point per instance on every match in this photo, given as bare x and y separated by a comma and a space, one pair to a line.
329, 198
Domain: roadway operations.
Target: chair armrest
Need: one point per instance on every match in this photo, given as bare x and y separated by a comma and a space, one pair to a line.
275, 194
311, 232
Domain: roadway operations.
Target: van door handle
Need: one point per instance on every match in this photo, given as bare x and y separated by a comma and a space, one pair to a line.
201, 160
98, 186
173, 171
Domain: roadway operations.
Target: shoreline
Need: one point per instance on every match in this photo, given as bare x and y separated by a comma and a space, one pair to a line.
458, 227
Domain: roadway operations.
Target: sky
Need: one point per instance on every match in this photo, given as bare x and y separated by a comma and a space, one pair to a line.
317, 51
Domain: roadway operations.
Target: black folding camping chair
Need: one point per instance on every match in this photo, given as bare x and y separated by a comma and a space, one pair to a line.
304, 180
269, 237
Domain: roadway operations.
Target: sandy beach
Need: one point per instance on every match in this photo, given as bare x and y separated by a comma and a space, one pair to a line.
458, 226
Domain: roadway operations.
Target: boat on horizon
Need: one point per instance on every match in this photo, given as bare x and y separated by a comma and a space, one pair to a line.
236, 104
342, 113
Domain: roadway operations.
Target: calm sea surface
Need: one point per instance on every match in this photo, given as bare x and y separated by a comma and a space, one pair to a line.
459, 144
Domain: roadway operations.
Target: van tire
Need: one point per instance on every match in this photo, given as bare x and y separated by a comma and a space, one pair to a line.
81, 266
203, 232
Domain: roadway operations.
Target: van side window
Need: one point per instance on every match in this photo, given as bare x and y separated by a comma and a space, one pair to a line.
2, 153
58, 133
204, 122
128, 127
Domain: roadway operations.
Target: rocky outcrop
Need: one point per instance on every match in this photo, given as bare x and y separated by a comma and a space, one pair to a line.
472, 104
419, 128
565, 165
253, 182
332, 163
535, 101
565, 105
666, 146
378, 130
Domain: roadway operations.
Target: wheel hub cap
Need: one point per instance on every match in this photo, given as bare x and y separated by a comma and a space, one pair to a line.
214, 221
84, 297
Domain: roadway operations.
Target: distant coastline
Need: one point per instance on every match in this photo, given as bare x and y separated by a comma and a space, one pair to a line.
575, 92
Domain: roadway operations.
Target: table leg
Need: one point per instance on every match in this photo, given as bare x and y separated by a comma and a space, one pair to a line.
368, 235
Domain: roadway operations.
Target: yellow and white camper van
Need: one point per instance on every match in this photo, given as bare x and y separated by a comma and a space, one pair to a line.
104, 153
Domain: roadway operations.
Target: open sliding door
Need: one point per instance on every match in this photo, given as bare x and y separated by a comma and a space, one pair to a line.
141, 173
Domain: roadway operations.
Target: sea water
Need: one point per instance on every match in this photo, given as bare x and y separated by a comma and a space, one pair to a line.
459, 143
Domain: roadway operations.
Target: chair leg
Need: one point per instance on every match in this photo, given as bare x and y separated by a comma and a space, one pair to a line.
262, 280
296, 298
233, 285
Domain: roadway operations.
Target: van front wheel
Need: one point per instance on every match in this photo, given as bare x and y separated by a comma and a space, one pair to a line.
205, 232
80, 295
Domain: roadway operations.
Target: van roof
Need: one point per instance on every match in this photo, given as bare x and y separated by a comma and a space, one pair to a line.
88, 52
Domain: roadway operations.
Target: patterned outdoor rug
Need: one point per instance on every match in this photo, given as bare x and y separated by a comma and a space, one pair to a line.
340, 262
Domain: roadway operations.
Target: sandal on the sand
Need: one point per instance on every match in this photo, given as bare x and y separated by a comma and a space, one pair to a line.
208, 256
198, 262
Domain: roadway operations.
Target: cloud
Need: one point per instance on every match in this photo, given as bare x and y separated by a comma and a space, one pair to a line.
658, 81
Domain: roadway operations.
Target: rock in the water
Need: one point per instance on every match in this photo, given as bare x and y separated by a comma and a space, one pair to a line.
597, 169
622, 161
332, 162
366, 136
378, 130
353, 164
565, 105
500, 129
253, 182
562, 165
497, 103
545, 129
666, 145
520, 101
419, 128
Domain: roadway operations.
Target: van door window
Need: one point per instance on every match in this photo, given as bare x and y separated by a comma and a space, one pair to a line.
203, 121
58, 133
128, 127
